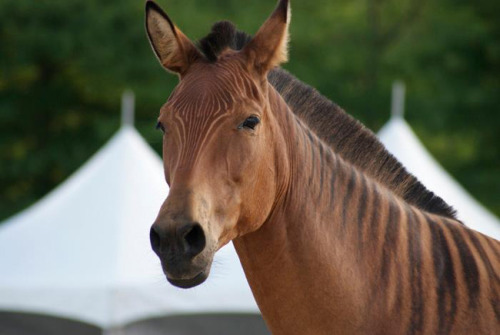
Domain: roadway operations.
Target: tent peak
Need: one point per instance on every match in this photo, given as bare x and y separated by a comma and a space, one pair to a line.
398, 99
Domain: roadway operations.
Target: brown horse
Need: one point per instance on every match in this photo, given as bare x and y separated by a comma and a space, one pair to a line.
334, 236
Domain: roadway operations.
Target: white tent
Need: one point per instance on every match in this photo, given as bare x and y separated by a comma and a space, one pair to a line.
401, 141
83, 251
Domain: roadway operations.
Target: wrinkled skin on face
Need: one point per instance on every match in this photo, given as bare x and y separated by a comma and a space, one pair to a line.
217, 134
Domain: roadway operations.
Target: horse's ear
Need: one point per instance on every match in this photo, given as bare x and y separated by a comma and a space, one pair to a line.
269, 47
172, 48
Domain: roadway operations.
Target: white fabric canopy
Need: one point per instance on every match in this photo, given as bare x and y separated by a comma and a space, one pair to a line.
83, 251
404, 144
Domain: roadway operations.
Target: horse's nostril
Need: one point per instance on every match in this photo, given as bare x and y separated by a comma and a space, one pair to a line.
155, 239
195, 239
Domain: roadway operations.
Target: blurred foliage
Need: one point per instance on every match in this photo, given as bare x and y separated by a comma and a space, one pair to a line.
64, 65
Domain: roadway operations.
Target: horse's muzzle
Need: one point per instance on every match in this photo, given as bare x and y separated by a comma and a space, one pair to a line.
182, 250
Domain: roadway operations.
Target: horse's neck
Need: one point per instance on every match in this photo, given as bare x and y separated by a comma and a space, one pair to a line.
341, 254
306, 254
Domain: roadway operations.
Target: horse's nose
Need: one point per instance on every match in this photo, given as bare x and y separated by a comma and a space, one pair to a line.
185, 241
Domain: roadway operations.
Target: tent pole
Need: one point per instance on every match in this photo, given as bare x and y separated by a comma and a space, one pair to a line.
128, 102
398, 99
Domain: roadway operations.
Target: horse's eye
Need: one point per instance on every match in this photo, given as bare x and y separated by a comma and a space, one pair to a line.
160, 126
250, 123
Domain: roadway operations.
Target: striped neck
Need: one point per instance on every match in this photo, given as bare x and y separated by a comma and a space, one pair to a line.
342, 241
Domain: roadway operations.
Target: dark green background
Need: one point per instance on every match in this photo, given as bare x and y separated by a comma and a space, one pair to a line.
65, 63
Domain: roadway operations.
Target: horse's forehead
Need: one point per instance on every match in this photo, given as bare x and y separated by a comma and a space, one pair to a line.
212, 88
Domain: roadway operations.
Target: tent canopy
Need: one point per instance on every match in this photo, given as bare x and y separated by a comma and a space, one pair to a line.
83, 252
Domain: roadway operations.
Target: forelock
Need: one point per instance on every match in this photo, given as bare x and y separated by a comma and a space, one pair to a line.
222, 36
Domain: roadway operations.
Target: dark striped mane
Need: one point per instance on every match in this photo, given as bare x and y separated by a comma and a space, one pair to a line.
348, 137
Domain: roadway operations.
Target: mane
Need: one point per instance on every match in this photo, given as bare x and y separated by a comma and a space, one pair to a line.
354, 142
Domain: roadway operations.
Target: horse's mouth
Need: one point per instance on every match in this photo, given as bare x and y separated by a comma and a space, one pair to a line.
188, 283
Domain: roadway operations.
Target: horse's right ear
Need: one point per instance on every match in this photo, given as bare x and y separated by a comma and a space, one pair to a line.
269, 47
172, 48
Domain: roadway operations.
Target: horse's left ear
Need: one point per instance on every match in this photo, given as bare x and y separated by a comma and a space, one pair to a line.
269, 47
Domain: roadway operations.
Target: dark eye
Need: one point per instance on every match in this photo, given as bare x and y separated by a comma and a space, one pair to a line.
250, 123
160, 126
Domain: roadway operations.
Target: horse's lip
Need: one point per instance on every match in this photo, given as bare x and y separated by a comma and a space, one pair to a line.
188, 283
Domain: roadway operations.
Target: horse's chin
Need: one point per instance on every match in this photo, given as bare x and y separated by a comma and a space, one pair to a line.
187, 272
191, 282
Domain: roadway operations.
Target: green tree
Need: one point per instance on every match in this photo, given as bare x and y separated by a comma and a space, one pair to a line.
64, 64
